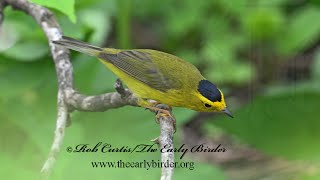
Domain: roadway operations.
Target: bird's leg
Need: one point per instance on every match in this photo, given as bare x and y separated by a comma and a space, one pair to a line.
161, 112
152, 105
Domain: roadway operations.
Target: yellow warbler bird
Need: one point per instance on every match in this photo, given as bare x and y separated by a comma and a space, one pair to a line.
158, 76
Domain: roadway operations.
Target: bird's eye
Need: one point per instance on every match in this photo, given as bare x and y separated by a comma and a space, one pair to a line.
207, 105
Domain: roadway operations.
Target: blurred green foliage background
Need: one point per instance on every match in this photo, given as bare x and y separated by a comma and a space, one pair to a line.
263, 53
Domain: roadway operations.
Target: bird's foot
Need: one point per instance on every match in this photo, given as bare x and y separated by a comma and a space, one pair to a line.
162, 113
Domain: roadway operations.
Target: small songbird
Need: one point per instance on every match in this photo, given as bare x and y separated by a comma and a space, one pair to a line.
157, 76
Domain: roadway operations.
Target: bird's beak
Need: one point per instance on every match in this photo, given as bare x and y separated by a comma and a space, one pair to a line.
227, 112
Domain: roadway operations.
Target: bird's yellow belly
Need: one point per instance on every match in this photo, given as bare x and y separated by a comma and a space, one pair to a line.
143, 91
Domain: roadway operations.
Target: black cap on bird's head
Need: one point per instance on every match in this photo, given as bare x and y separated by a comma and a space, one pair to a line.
213, 96
209, 91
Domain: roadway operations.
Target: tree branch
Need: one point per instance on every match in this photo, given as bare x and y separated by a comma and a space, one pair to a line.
101, 102
165, 141
62, 119
69, 99
63, 69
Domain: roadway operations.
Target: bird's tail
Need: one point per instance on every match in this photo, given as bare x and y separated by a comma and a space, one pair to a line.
77, 45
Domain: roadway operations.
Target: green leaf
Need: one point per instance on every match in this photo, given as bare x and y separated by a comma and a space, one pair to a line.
236, 72
269, 3
233, 7
16, 78
189, 55
224, 65
19, 28
301, 32
99, 22
185, 18
8, 36
27, 51
263, 24
65, 6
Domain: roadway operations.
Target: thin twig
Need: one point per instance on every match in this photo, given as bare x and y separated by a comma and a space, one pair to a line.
63, 69
165, 141
101, 102
61, 124
121, 90
69, 99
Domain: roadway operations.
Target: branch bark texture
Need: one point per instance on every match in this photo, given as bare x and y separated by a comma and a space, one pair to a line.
165, 140
69, 99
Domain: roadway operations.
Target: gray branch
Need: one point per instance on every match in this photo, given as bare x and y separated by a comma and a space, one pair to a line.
62, 119
165, 141
98, 103
63, 69
68, 99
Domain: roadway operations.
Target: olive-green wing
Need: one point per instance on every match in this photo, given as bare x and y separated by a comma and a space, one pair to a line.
140, 65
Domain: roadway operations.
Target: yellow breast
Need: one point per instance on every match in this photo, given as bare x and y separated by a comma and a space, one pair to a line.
143, 91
